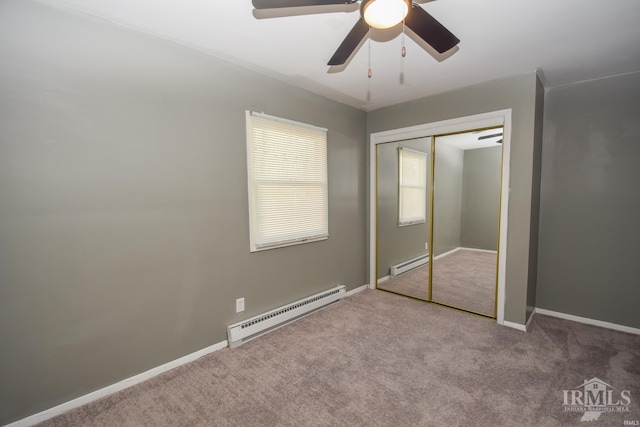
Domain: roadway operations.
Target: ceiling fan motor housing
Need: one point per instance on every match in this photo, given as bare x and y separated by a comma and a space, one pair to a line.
384, 13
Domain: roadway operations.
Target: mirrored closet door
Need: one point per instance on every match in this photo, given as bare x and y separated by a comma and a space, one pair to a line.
438, 204
466, 209
402, 217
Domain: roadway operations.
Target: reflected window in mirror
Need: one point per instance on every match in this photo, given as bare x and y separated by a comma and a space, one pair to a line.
412, 194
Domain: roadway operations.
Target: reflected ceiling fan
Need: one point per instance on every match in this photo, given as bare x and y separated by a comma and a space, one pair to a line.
493, 135
381, 14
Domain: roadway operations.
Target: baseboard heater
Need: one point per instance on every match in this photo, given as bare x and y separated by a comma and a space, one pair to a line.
409, 265
251, 328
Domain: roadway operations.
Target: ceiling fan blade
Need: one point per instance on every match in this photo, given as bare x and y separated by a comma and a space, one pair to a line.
489, 136
350, 43
430, 30
277, 4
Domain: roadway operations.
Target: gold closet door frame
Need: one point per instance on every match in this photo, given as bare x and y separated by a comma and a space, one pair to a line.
431, 226
461, 124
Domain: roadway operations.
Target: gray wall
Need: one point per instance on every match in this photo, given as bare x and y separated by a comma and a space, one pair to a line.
481, 198
397, 244
520, 94
447, 197
124, 237
123, 206
590, 201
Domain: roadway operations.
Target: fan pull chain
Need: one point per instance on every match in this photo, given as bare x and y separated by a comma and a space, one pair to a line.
404, 53
369, 73
404, 50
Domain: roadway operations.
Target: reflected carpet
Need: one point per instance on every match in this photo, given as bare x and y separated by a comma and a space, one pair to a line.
465, 279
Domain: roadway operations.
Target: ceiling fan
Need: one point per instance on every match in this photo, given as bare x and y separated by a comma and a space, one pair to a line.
379, 14
494, 135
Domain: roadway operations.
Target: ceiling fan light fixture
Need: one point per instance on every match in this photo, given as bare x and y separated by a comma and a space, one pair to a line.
384, 13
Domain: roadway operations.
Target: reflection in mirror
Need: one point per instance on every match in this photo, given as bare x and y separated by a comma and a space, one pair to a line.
466, 203
412, 187
402, 220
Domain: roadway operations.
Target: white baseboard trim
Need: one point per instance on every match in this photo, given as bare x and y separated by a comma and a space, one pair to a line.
530, 319
356, 290
126, 383
383, 279
460, 248
588, 321
444, 254
113, 388
489, 251
518, 326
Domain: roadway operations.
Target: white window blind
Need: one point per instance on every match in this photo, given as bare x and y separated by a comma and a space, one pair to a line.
412, 178
287, 175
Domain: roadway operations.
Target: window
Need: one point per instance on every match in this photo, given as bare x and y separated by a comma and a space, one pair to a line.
412, 194
287, 175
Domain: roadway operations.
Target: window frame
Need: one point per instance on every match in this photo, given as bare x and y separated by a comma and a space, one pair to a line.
256, 244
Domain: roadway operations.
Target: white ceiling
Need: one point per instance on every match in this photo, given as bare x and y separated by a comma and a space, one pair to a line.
569, 40
469, 140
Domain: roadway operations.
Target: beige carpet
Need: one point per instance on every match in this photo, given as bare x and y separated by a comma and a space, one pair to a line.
380, 359
413, 283
464, 279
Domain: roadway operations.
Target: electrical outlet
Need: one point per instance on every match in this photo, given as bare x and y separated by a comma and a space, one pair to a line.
426, 245
239, 305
